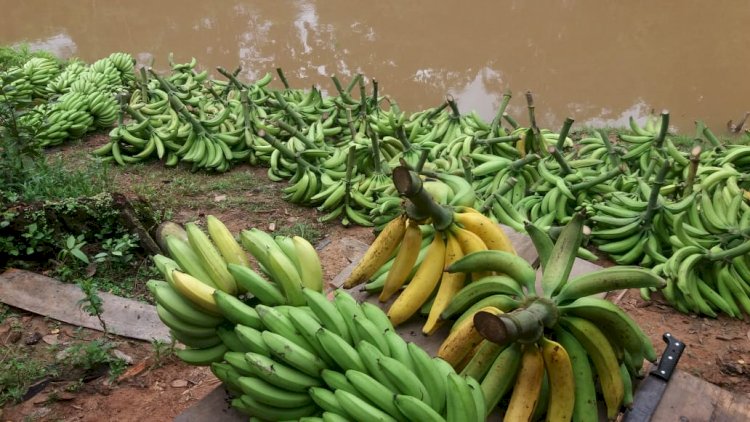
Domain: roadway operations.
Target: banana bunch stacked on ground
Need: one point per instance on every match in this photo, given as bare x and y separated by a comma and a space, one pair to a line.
291, 355
28, 82
558, 343
200, 265
707, 273
338, 360
413, 258
81, 99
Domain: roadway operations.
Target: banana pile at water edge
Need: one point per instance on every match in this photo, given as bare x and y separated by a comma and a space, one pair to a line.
76, 100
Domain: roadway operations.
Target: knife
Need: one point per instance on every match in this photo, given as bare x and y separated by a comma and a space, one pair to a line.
651, 389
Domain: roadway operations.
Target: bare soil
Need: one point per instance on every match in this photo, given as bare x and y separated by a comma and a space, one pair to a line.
718, 350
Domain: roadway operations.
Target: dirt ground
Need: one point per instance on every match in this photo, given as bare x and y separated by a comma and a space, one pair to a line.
718, 350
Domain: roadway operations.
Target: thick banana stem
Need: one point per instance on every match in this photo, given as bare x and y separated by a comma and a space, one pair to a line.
613, 157
342, 93
437, 111
654, 197
583, 186
729, 254
517, 165
295, 116
144, 85
282, 77
511, 121
663, 129
695, 160
357, 79
466, 166
454, 107
295, 132
350, 163
410, 185
285, 151
245, 100
564, 167
232, 78
564, 133
422, 160
712, 138
496, 122
177, 104
501, 190
375, 100
524, 325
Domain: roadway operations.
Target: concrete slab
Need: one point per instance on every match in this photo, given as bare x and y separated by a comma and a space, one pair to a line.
46, 296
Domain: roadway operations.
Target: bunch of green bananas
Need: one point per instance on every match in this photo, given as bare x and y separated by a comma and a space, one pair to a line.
75, 101
561, 335
289, 352
339, 360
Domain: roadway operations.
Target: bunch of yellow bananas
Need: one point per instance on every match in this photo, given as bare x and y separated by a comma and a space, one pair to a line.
416, 257
536, 351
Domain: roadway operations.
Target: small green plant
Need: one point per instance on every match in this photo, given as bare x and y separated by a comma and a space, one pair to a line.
118, 251
93, 354
92, 303
72, 248
163, 351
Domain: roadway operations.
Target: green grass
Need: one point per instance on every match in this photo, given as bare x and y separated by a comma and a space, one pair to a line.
18, 55
18, 371
304, 230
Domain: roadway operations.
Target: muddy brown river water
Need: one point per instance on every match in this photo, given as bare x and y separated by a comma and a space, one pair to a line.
598, 61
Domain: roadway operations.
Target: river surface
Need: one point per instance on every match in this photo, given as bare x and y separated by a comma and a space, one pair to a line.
597, 61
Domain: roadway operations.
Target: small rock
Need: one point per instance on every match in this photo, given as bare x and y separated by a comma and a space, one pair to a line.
62, 354
219, 198
271, 227
65, 396
731, 368
39, 413
120, 355
51, 339
179, 383
54, 331
33, 338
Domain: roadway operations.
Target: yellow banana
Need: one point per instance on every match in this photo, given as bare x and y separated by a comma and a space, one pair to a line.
462, 340
379, 252
528, 385
450, 284
562, 383
404, 261
470, 243
225, 242
492, 235
197, 292
421, 285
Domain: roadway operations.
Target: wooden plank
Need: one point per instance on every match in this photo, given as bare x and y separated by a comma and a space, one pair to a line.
46, 296
689, 398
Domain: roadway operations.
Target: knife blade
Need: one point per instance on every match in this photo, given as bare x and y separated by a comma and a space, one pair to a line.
651, 389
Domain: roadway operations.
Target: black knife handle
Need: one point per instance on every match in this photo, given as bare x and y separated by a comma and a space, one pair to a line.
669, 358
